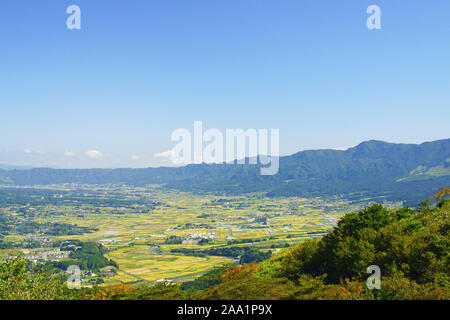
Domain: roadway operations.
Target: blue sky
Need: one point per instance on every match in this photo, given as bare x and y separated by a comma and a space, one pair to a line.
138, 70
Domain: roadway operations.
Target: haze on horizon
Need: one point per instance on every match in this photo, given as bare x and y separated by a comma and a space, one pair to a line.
110, 95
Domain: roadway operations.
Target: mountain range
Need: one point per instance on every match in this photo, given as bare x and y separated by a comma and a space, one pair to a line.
375, 169
10, 167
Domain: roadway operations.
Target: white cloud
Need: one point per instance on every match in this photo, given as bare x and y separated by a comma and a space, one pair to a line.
341, 148
164, 154
95, 154
135, 158
69, 154
27, 151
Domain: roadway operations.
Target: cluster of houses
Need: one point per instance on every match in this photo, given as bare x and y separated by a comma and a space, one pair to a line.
44, 241
110, 241
195, 238
44, 256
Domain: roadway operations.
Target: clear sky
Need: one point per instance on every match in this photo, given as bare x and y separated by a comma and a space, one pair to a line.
137, 70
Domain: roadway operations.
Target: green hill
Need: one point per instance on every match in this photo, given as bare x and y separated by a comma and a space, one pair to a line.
411, 247
405, 172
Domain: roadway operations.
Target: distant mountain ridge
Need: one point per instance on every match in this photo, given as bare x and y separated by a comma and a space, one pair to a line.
11, 167
409, 172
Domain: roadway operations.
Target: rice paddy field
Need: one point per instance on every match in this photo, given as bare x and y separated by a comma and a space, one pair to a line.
135, 225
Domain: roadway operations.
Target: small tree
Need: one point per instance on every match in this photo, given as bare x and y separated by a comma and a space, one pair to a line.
19, 280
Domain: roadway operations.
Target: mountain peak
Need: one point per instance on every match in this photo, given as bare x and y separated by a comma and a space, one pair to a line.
370, 143
370, 147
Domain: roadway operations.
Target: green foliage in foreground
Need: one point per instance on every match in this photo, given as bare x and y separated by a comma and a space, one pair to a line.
19, 280
207, 280
410, 246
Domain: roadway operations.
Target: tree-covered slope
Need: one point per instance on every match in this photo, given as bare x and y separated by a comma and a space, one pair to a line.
411, 248
398, 171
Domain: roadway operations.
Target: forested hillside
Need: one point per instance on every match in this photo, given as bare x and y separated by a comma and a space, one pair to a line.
404, 172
